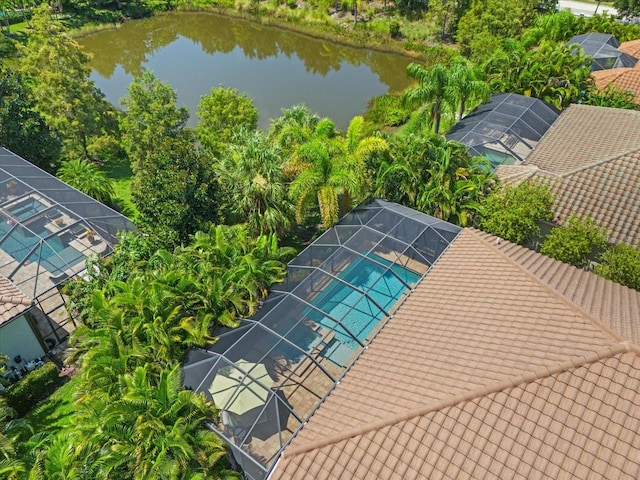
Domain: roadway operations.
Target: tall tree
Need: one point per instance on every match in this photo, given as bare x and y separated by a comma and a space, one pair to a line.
22, 128
250, 173
323, 179
436, 176
432, 91
223, 112
173, 186
465, 87
57, 71
627, 8
151, 116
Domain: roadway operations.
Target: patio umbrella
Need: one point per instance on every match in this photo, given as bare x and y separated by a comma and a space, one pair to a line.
238, 393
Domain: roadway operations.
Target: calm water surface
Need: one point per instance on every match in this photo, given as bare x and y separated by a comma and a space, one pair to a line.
195, 52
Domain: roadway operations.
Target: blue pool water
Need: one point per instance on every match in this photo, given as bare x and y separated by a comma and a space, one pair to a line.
55, 254
26, 208
357, 313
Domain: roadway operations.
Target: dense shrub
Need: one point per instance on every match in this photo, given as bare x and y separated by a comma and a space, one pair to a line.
394, 29
575, 241
621, 263
33, 388
515, 213
387, 110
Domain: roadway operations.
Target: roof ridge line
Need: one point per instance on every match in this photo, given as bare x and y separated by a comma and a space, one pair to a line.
594, 164
572, 305
525, 377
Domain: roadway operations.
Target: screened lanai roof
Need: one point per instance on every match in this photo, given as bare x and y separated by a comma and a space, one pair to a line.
506, 129
47, 228
603, 48
271, 373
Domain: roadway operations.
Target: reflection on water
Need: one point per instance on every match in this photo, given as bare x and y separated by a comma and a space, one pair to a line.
195, 52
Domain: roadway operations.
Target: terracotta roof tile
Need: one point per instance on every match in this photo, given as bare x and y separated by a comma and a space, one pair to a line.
506, 371
12, 301
591, 158
631, 47
616, 306
583, 136
628, 79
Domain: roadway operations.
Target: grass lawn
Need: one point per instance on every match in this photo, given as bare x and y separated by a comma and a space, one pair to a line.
120, 174
54, 412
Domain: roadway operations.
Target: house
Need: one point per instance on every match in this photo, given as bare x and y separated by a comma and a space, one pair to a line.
605, 51
506, 129
591, 159
47, 231
626, 79
400, 346
501, 364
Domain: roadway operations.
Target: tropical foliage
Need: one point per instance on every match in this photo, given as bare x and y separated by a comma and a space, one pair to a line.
250, 174
22, 129
440, 89
436, 176
554, 72
515, 212
223, 112
88, 178
64, 96
575, 241
621, 263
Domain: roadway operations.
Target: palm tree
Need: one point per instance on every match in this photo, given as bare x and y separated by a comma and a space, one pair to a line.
251, 174
323, 181
465, 87
10, 465
438, 177
360, 150
432, 89
88, 178
154, 429
294, 127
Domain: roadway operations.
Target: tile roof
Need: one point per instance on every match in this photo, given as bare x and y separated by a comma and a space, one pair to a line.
631, 47
584, 135
591, 158
508, 371
12, 301
628, 79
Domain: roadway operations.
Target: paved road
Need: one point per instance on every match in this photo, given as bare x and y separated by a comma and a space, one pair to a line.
586, 9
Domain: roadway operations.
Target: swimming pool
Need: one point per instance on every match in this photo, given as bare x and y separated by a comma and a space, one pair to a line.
357, 313
26, 208
55, 254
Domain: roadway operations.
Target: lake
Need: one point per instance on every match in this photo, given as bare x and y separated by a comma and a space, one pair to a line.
195, 52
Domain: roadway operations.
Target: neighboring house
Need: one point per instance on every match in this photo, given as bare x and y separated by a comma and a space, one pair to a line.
400, 346
604, 49
17, 339
627, 79
47, 231
632, 48
502, 363
591, 159
506, 129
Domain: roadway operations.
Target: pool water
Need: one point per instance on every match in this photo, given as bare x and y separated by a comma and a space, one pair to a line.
359, 314
26, 208
55, 254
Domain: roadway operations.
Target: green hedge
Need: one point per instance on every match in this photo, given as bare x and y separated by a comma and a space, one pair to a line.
33, 388
13, 17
